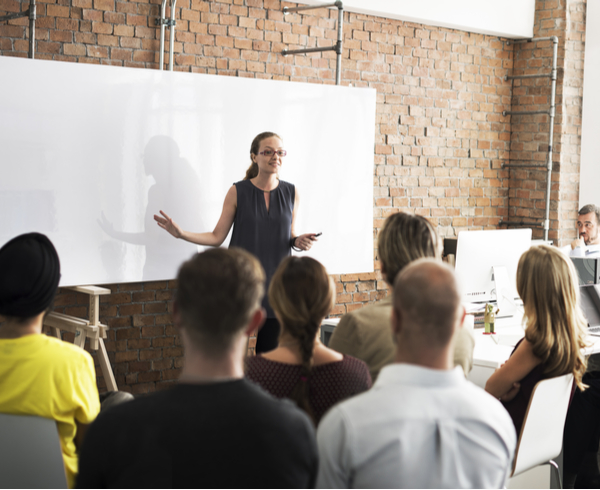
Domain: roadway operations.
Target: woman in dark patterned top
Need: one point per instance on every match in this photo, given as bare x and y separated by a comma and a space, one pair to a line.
262, 210
302, 368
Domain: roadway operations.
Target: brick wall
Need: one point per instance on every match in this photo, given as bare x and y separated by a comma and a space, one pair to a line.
564, 19
441, 138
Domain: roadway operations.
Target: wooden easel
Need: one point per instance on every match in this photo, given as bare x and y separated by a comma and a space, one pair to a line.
83, 329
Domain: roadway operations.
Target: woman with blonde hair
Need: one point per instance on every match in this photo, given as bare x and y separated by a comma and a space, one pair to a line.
302, 367
555, 330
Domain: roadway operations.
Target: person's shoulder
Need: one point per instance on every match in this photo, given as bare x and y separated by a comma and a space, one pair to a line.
479, 404
378, 313
64, 352
133, 413
365, 320
255, 366
265, 408
353, 364
287, 188
351, 411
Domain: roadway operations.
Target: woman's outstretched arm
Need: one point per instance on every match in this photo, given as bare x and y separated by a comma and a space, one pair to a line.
213, 238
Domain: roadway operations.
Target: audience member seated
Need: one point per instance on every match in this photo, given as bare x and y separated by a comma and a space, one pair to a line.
302, 368
214, 429
422, 425
582, 436
366, 333
555, 330
587, 243
41, 375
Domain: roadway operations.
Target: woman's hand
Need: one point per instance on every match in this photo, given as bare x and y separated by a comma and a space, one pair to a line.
305, 242
166, 223
511, 393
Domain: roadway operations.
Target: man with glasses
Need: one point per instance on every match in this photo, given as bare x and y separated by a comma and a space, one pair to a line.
587, 243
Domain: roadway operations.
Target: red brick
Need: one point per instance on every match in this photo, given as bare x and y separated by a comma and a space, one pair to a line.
97, 52
104, 5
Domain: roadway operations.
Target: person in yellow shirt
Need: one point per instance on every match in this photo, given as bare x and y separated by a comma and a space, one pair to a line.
41, 375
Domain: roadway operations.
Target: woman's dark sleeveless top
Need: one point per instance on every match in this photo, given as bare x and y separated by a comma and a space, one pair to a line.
517, 407
266, 234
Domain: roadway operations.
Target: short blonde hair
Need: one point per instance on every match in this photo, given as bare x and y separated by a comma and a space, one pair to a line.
555, 326
404, 238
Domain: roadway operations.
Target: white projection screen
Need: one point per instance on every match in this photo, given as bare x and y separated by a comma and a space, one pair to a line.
90, 153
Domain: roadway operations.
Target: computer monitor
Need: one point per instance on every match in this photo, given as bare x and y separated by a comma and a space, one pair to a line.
589, 295
479, 253
588, 269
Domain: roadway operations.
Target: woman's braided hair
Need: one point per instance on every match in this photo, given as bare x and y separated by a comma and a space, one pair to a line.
302, 294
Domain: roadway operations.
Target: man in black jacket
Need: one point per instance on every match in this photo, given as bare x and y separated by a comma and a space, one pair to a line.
214, 429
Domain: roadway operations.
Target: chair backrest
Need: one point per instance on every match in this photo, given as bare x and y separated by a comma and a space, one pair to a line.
30, 453
542, 433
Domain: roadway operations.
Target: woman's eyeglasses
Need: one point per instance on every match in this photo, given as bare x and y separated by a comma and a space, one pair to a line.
269, 153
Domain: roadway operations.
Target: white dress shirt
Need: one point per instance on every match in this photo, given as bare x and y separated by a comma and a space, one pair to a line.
587, 251
417, 428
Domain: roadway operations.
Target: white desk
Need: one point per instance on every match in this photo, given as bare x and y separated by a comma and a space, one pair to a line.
491, 351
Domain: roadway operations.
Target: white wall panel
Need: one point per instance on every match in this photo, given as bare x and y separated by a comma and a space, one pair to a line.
90, 153
504, 18
590, 125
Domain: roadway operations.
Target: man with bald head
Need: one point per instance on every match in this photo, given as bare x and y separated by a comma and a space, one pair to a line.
422, 425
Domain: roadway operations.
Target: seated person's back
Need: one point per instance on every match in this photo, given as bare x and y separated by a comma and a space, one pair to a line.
554, 333
226, 434
422, 425
301, 367
41, 375
215, 429
366, 333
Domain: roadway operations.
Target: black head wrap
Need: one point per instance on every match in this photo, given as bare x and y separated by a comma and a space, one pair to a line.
29, 275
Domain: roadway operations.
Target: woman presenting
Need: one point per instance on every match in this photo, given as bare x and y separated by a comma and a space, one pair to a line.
262, 210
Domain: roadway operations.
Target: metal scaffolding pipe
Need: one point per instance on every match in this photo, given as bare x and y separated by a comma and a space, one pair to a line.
551, 112
551, 134
508, 165
523, 113
514, 77
285, 52
172, 35
337, 47
16, 15
161, 55
519, 223
31, 13
163, 21
287, 10
32, 17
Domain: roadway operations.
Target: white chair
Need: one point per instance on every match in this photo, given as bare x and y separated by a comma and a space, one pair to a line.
30, 453
541, 436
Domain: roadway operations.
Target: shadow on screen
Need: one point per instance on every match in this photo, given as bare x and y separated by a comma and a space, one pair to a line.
176, 191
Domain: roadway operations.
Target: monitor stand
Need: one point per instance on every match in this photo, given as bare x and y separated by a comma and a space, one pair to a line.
504, 293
